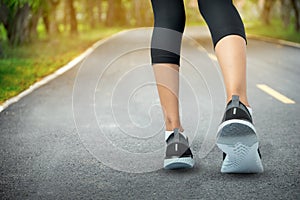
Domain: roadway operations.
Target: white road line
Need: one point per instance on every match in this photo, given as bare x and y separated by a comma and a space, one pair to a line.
212, 56
275, 94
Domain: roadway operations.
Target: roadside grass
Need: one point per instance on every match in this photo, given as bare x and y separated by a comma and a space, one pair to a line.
21, 66
274, 30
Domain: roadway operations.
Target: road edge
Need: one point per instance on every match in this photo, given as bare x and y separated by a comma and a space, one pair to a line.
274, 40
71, 64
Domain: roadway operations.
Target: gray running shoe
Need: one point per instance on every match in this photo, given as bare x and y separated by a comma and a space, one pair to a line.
238, 140
178, 153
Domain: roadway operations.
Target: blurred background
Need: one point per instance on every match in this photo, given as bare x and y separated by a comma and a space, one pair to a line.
39, 36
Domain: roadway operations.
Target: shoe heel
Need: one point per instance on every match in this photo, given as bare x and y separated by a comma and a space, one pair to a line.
240, 144
241, 158
179, 163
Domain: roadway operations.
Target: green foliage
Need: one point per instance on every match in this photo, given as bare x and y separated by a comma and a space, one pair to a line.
2, 33
19, 3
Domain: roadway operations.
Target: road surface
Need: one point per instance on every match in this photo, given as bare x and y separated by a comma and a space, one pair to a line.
96, 131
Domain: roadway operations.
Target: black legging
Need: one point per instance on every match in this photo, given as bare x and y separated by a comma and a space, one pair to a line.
169, 20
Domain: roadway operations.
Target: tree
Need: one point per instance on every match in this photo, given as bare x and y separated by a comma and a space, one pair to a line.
285, 12
288, 7
50, 8
142, 12
265, 14
70, 12
296, 8
73, 19
99, 10
34, 22
15, 18
115, 13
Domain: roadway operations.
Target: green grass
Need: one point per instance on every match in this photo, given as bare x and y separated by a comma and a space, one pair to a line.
20, 67
274, 30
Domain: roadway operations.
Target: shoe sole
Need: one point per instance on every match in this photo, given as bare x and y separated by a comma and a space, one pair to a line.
238, 139
179, 163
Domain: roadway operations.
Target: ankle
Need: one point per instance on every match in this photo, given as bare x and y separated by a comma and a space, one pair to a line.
243, 99
168, 133
171, 127
172, 124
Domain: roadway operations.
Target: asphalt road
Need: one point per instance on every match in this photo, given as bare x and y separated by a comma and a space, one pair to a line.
96, 132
